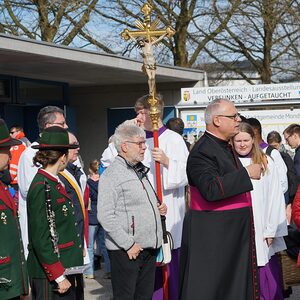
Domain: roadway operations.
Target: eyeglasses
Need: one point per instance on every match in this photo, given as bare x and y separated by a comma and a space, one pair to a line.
233, 117
140, 144
59, 123
287, 137
76, 144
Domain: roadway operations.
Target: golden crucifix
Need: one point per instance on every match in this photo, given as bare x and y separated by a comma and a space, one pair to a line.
146, 37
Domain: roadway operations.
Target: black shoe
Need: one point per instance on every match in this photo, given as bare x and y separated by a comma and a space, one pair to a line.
288, 292
97, 262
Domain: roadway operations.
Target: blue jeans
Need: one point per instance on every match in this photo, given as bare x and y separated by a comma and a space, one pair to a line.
96, 233
89, 269
101, 248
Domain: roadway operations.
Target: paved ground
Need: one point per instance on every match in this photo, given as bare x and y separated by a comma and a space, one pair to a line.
294, 296
100, 289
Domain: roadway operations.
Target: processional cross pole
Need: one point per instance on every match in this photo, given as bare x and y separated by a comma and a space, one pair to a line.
148, 35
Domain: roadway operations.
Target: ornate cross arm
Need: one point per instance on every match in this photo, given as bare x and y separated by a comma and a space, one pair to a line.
148, 34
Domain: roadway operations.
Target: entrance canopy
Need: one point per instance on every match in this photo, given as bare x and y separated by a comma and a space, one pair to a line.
77, 67
87, 84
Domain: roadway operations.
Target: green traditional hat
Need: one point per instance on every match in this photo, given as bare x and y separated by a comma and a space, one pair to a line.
54, 138
5, 139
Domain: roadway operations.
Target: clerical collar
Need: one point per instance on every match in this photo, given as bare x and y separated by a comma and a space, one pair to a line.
161, 130
217, 138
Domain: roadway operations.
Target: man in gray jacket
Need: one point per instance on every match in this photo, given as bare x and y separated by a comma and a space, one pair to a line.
129, 212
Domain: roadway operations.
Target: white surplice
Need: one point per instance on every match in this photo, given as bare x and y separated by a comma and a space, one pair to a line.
174, 179
268, 211
281, 168
26, 172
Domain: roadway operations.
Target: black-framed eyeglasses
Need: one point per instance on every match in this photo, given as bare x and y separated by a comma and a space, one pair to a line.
59, 123
76, 144
140, 144
287, 137
233, 117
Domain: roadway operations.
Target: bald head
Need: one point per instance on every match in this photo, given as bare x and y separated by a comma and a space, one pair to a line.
214, 108
222, 119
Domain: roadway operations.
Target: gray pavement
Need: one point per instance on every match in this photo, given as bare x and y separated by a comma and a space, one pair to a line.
296, 293
100, 289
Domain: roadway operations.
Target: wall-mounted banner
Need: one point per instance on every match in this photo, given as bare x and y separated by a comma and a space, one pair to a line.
272, 119
193, 122
240, 94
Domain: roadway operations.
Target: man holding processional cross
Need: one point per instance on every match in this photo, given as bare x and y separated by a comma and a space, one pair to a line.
167, 165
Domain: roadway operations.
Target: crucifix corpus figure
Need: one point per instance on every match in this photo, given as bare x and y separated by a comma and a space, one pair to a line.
146, 37
149, 65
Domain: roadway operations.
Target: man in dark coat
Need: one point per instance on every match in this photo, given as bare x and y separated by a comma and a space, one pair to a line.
71, 178
218, 258
292, 137
13, 273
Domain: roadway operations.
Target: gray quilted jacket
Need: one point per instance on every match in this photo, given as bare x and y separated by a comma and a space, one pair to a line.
127, 208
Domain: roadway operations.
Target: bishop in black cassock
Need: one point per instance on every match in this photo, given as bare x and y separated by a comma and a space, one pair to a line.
218, 258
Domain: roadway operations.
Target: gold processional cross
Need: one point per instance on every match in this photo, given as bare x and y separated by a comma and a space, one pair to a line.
146, 37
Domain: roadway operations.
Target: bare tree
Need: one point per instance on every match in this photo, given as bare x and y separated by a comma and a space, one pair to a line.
263, 32
185, 16
58, 21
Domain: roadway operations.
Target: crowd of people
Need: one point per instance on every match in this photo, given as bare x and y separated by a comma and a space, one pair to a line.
227, 202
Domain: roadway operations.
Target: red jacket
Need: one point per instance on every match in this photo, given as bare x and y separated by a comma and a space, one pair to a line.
296, 214
296, 208
15, 152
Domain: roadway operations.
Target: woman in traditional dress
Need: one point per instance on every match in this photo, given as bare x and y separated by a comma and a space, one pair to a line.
55, 251
268, 212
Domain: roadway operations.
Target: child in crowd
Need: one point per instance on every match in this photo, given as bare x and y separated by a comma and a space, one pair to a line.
95, 230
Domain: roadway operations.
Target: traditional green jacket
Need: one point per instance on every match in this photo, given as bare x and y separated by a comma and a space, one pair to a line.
12, 261
42, 261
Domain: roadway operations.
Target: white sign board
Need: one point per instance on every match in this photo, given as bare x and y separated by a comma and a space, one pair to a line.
240, 94
193, 121
272, 119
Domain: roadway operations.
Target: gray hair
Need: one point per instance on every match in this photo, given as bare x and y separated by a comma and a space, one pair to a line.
125, 132
213, 109
48, 115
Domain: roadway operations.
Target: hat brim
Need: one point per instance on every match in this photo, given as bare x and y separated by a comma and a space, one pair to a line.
54, 147
11, 142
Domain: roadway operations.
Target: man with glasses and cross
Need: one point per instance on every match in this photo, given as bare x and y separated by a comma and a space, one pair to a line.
172, 155
218, 258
